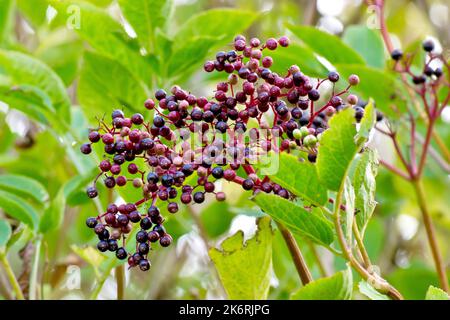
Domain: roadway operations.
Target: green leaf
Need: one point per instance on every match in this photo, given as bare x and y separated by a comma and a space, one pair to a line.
326, 45
337, 149
217, 23
34, 11
90, 255
185, 59
308, 224
367, 122
105, 84
53, 216
145, 16
297, 54
367, 290
24, 187
337, 287
18, 209
367, 42
5, 233
387, 93
434, 293
245, 268
300, 177
107, 37
26, 70
6, 15
363, 180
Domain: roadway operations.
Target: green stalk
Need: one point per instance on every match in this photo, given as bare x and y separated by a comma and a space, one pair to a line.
12, 278
34, 270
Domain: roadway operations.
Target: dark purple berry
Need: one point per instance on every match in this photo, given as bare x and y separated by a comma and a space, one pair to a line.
91, 222
121, 254
102, 246
91, 192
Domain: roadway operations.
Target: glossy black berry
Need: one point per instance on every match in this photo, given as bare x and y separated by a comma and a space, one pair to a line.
146, 223
91, 222
112, 245
396, 54
121, 254
333, 76
248, 184
102, 245
217, 172
152, 178
143, 248
428, 45
199, 197
144, 265
313, 95
86, 148
165, 240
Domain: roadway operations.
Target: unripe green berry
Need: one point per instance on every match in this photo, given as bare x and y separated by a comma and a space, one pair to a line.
310, 141
304, 131
297, 133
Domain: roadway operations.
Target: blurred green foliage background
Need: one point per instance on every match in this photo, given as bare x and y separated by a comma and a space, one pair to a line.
64, 64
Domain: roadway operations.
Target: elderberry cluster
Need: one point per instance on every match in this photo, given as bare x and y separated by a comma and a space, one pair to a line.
191, 142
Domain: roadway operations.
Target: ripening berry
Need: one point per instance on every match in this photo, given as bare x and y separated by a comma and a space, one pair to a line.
86, 148
209, 66
271, 44
117, 114
313, 95
353, 80
91, 192
309, 141
137, 119
352, 99
284, 41
149, 104
94, 136
110, 182
153, 236
172, 207
220, 196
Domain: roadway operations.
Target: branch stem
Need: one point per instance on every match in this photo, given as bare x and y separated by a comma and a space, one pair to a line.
11, 277
431, 234
120, 280
297, 257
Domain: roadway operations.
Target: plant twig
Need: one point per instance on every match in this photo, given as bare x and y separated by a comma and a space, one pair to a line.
360, 244
11, 277
120, 280
431, 234
297, 257
35, 269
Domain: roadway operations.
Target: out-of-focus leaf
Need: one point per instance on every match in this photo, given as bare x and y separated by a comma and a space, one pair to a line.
90, 255
367, 290
107, 37
327, 45
24, 187
297, 54
216, 218
297, 219
414, 290
217, 23
337, 287
5, 233
105, 84
145, 17
300, 178
434, 293
337, 149
387, 92
244, 268
19, 209
367, 122
367, 42
53, 216
6, 15
185, 59
16, 236
26, 70
63, 58
34, 11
